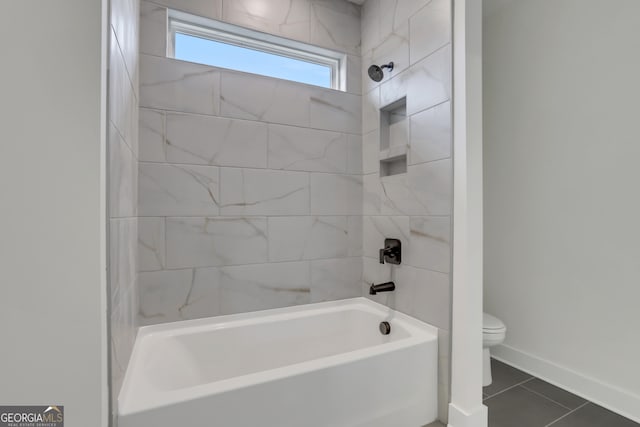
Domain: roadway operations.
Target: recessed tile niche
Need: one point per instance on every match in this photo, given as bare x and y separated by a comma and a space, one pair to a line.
394, 138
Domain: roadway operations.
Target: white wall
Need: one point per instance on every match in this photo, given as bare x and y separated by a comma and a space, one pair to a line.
562, 240
52, 245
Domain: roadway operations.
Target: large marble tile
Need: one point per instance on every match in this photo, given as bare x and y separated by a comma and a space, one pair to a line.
396, 88
394, 47
424, 294
430, 29
151, 244
370, 26
206, 140
355, 236
371, 152
123, 234
178, 190
333, 194
354, 154
169, 84
122, 97
354, 74
124, 20
431, 134
335, 110
153, 29
123, 318
263, 192
123, 177
270, 100
308, 237
425, 190
206, 8
397, 197
210, 242
123, 331
172, 295
371, 194
378, 228
432, 185
263, 286
371, 111
333, 279
303, 149
151, 136
396, 13
336, 24
288, 18
430, 81
430, 243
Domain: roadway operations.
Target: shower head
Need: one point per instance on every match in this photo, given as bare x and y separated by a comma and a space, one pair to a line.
375, 72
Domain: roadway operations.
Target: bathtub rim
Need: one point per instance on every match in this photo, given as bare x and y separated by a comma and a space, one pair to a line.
420, 333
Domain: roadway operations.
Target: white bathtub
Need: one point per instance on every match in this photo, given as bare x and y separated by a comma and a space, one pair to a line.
316, 365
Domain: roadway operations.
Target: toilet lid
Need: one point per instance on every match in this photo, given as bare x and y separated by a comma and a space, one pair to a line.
490, 323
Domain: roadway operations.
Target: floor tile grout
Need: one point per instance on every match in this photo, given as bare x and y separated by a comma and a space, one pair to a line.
522, 403
567, 414
546, 397
508, 388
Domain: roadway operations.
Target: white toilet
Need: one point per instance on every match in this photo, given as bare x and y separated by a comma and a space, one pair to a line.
493, 333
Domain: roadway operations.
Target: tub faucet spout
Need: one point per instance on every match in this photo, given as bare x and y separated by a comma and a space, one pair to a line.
382, 287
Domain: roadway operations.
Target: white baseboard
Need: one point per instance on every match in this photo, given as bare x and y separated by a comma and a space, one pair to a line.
615, 399
459, 418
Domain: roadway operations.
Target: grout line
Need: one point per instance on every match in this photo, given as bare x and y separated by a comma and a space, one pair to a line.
439, 104
567, 414
509, 388
310, 260
205, 165
546, 397
222, 116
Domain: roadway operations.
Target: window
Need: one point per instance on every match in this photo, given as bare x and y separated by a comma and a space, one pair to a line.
219, 44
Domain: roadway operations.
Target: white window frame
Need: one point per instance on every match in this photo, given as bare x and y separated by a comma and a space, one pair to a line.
192, 25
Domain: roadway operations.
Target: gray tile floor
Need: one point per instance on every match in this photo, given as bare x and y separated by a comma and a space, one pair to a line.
517, 399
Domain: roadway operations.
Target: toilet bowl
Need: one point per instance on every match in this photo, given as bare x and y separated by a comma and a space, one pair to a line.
493, 333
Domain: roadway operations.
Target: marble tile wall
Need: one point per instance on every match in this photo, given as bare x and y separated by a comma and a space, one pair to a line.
257, 193
122, 147
416, 206
250, 188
